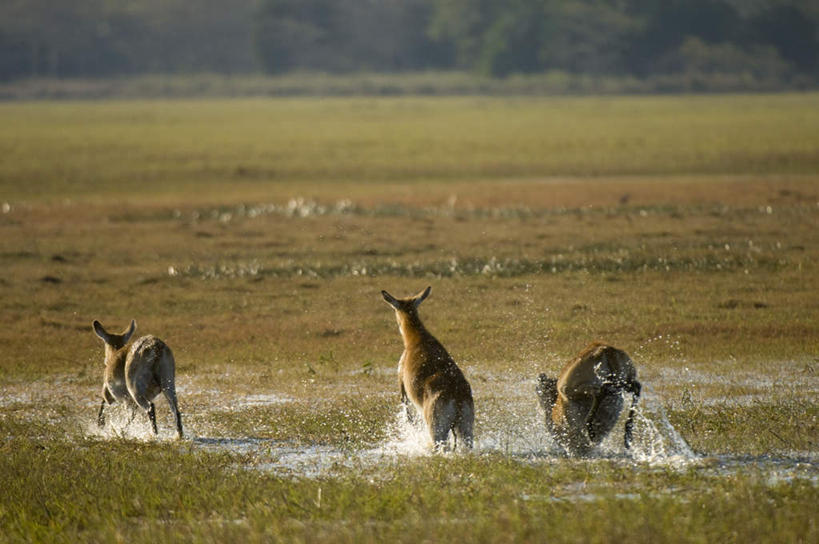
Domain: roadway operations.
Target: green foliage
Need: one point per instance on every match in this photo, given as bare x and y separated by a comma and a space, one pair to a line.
93, 38
791, 31
347, 35
587, 37
637, 37
667, 25
291, 33
102, 38
511, 42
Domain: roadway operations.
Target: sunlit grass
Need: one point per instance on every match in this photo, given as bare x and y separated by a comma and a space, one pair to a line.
127, 147
96, 489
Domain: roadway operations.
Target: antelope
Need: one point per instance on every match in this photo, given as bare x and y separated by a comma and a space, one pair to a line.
584, 402
136, 372
429, 379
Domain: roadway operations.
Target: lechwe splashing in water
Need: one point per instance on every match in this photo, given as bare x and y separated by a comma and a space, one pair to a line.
135, 373
429, 379
583, 404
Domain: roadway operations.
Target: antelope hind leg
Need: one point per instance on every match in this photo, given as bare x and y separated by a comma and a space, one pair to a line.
409, 408
101, 415
440, 415
152, 417
170, 395
463, 427
634, 388
107, 398
149, 408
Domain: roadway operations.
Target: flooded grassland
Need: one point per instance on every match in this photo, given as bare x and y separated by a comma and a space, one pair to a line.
268, 292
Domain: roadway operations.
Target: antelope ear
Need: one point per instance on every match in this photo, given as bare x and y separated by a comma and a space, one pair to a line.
127, 334
97, 326
389, 299
420, 297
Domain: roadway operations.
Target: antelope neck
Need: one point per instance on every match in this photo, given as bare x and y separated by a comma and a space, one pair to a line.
412, 330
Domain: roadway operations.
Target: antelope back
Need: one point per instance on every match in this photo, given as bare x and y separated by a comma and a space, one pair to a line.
596, 366
150, 366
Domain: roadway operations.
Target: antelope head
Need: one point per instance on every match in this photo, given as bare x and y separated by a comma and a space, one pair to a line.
114, 342
406, 309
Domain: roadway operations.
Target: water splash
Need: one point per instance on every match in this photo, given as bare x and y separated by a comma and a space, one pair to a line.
405, 437
656, 441
120, 425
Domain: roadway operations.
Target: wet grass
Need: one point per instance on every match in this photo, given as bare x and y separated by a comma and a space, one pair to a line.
344, 422
756, 428
268, 291
101, 489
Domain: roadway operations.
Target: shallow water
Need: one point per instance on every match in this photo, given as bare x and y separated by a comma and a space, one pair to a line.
519, 437
657, 446
509, 423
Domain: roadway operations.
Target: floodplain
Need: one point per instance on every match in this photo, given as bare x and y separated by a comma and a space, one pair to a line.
255, 236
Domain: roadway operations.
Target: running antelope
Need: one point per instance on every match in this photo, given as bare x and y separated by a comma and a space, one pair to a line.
136, 372
429, 379
584, 402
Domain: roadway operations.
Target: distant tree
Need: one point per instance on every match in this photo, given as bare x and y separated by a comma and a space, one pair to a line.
667, 24
343, 35
62, 38
791, 31
464, 24
492, 37
512, 41
423, 50
291, 34
15, 55
532, 35
100, 37
641, 37
586, 36
389, 35
192, 35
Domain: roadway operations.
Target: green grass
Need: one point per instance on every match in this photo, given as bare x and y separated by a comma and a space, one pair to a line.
69, 149
790, 424
254, 236
170, 494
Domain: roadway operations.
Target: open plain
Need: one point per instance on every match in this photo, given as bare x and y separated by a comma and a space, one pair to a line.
255, 236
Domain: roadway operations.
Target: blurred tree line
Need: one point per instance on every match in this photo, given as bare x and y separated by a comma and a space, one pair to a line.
61, 38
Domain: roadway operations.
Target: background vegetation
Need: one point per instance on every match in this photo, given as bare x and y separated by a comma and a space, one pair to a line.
682, 45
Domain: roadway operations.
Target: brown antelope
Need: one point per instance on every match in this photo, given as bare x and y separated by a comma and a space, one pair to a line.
584, 402
136, 372
429, 379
